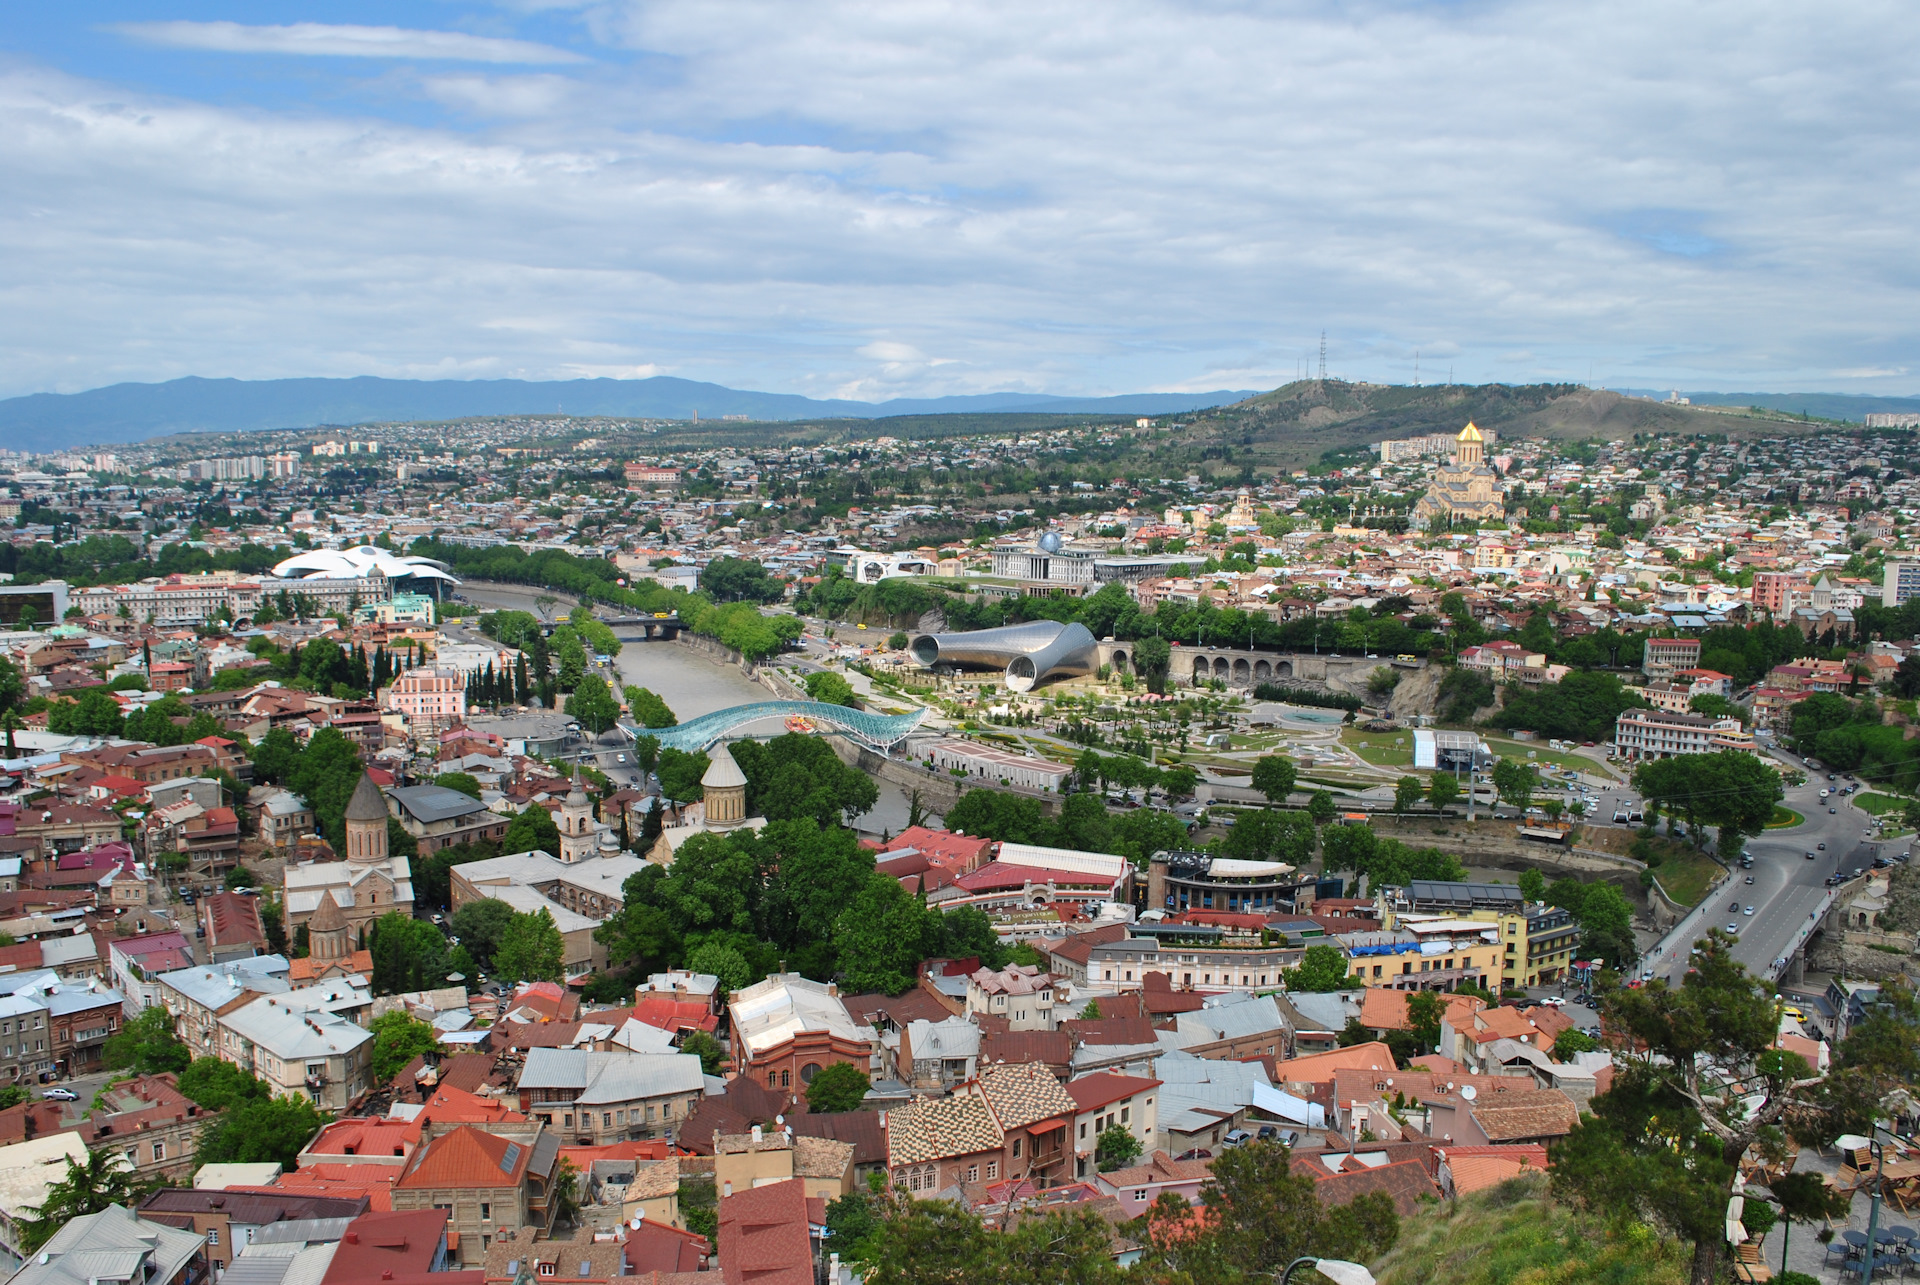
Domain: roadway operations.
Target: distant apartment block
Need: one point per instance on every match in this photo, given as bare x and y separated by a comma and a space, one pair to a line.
1893, 419
1666, 656
1902, 583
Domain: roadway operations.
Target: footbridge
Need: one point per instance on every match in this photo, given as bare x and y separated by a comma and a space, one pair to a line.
875, 731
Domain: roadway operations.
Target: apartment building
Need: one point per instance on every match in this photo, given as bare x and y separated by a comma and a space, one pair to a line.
593, 1099
1665, 656
1659, 733
301, 1048
486, 1181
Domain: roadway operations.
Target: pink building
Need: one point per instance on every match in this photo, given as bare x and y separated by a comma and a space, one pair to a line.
428, 695
1773, 591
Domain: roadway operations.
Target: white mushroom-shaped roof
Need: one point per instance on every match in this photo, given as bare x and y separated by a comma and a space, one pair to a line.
359, 562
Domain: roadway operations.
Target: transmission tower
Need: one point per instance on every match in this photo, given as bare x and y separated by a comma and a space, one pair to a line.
1323, 356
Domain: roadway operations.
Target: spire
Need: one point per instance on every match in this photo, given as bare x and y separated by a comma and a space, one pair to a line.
367, 803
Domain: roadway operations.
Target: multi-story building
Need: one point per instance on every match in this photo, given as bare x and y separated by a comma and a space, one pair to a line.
1901, 584
592, 1099
1666, 656
23, 1038
1659, 734
991, 764
1180, 880
199, 997
299, 1047
641, 476
1773, 591
81, 1019
1537, 941
486, 1181
368, 884
1105, 1101
427, 697
788, 1028
1192, 955
1048, 566
580, 895
1010, 1124
743, 1161
1020, 994
441, 818
228, 1220
285, 464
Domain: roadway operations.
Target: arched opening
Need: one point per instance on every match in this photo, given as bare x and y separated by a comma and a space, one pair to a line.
1120, 661
1220, 670
1200, 668
1242, 672
1262, 671
808, 1071
1283, 669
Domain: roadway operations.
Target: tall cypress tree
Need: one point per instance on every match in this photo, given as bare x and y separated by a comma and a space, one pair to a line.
520, 692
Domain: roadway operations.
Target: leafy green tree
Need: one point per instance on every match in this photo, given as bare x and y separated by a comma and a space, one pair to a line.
532, 829
1322, 969
1571, 1042
839, 1086
480, 925
649, 709
1180, 781
146, 1045
1442, 790
325, 774
1116, 1149
992, 814
724, 962
1151, 656
408, 954
1804, 1198
12, 1096
87, 1187
967, 933
397, 1040
531, 950
274, 756
739, 580
1515, 782
96, 713
878, 937
703, 1046
259, 1130
795, 776
239, 877
1424, 1012
1533, 885
831, 689
463, 782
1580, 707
1406, 794
680, 774
217, 1085
1665, 1142
1320, 807
1274, 775
593, 705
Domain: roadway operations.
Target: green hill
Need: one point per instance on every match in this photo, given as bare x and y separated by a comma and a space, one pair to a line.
1302, 420
1513, 1232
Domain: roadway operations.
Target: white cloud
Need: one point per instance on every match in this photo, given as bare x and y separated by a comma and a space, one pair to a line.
1048, 196
335, 40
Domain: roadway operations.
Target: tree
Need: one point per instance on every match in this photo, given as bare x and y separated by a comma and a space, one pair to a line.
1804, 1198
724, 962
1666, 1140
532, 829
146, 1045
12, 1096
680, 774
1322, 969
703, 1046
259, 1130
217, 1085
1514, 782
593, 705
463, 782
1274, 775
239, 877
397, 1040
1406, 794
479, 925
878, 937
795, 776
408, 954
531, 950
1116, 1149
831, 689
1424, 1011
88, 1187
1572, 1041
649, 709
1151, 656
1180, 781
1533, 885
839, 1086
1442, 790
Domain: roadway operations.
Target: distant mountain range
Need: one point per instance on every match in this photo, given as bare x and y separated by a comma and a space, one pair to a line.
1848, 406
134, 412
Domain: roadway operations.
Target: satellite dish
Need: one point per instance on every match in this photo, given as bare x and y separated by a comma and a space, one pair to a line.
1469, 1092
1051, 542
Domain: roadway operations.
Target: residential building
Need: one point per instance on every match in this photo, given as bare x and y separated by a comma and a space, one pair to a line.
1020, 994
81, 1019
198, 997
23, 1038
155, 1128
1137, 1187
1538, 942
228, 1221
1665, 656
580, 895
486, 1182
1901, 583
1192, 956
936, 1056
283, 817
1009, 1124
428, 698
134, 1248
767, 1236
27, 1169
410, 1245
592, 1099
1105, 1101
824, 1166
441, 818
297, 1045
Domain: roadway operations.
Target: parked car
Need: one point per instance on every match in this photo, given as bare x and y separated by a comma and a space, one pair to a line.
1236, 1138
1197, 1153
1749, 880
60, 1095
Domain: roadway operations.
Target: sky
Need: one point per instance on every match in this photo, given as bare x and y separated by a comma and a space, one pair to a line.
924, 197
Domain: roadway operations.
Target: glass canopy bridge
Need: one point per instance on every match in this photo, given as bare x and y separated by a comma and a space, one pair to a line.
876, 731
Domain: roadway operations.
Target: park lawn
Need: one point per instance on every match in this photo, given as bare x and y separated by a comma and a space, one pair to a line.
1784, 818
1686, 875
1541, 754
1378, 748
1880, 804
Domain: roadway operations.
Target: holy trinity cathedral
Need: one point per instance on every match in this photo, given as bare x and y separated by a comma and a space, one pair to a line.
1466, 486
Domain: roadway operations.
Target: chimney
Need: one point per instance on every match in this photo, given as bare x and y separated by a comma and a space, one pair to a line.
756, 1135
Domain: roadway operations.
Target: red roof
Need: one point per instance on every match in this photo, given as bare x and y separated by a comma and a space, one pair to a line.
669, 1014
1091, 1091
388, 1246
467, 1157
764, 1236
998, 875
956, 852
375, 1182
371, 1136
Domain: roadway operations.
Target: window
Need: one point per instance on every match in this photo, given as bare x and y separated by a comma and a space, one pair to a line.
133, 1157
786, 1079
1124, 1113
1083, 1130
606, 1119
993, 1170
666, 1108
913, 1181
808, 1071
1016, 1148
486, 1211
213, 1235
973, 1173
546, 1269
1139, 1195
159, 1152
567, 1120
649, 1115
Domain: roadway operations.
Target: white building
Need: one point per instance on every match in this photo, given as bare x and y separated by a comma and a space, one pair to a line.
991, 764
1659, 734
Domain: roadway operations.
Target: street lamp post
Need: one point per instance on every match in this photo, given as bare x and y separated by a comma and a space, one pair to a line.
1337, 1270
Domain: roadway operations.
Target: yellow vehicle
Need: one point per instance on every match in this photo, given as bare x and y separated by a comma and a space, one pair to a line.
1794, 1013
663, 615
1405, 656
859, 626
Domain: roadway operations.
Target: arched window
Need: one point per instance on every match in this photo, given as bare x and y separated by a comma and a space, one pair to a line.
808, 1071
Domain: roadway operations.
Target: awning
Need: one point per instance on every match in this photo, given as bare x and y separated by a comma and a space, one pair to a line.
1046, 1126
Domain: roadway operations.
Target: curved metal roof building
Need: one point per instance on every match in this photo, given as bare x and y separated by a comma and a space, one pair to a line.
1030, 653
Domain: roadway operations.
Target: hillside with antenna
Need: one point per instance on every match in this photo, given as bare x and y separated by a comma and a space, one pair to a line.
1299, 421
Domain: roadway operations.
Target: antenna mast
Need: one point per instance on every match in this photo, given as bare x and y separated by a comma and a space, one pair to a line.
1323, 356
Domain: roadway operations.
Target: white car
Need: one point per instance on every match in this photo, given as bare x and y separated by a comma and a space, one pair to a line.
1551, 1001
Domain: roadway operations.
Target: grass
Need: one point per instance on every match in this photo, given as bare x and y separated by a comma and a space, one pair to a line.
1541, 754
1879, 804
1686, 874
1784, 818
1378, 748
1514, 1232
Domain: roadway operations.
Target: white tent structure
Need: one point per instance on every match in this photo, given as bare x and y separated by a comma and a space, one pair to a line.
362, 561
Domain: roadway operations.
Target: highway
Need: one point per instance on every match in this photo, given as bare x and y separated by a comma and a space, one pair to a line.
1787, 889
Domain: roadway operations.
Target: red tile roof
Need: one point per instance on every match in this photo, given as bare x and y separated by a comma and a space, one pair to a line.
764, 1237
391, 1245
467, 1157
1091, 1091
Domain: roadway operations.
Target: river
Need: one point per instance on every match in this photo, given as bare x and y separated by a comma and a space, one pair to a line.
692, 685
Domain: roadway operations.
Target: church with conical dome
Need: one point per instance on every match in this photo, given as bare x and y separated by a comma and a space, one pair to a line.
369, 883
1466, 486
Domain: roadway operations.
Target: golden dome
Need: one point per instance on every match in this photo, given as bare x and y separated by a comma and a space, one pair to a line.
1470, 434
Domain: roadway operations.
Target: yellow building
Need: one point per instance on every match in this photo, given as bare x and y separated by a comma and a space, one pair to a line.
1538, 942
1466, 486
742, 1161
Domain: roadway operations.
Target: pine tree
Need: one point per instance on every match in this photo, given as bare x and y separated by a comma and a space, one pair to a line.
520, 692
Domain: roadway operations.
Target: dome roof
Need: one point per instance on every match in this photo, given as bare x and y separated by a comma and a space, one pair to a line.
327, 916
723, 773
367, 803
1470, 434
358, 563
